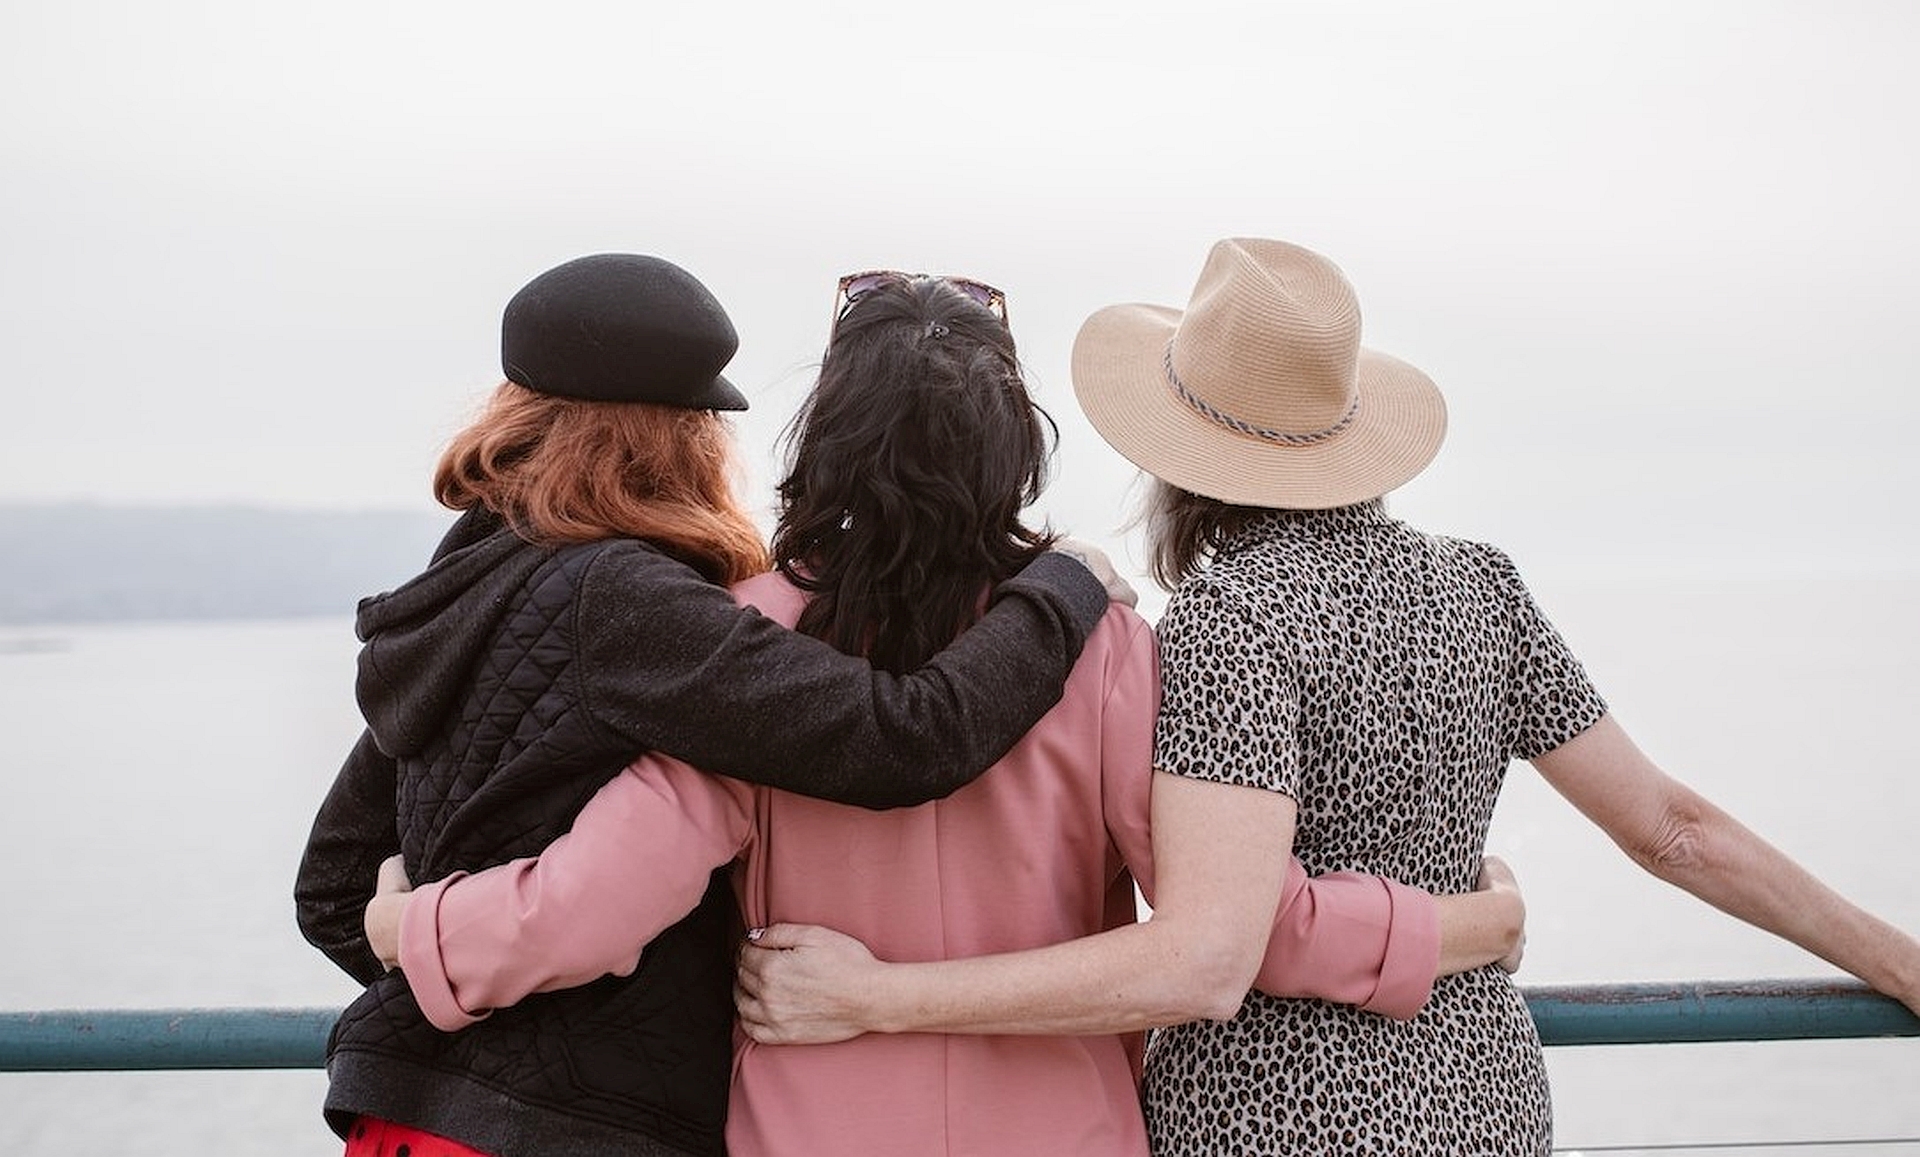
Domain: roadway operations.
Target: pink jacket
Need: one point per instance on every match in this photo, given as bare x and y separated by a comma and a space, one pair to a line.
1036, 851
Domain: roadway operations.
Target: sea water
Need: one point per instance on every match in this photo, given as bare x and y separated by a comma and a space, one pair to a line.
160, 780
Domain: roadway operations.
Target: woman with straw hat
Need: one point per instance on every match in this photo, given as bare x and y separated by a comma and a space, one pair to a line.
1339, 685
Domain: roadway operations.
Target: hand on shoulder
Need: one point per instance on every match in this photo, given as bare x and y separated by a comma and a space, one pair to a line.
1119, 590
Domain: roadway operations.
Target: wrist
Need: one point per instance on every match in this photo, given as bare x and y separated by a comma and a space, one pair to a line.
383, 918
1503, 921
883, 1001
1902, 978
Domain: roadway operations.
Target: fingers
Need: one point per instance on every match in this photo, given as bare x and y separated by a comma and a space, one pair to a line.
1496, 873
791, 984
746, 1006
759, 950
756, 1020
1119, 590
1496, 876
782, 936
749, 971
380, 921
393, 876
1510, 963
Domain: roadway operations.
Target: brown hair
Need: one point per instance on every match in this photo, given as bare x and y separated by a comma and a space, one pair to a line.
1184, 529
563, 470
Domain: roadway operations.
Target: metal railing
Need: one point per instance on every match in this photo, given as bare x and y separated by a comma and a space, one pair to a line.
1598, 1014
1566, 1015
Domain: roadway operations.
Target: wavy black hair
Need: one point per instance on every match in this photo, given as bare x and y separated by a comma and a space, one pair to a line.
907, 469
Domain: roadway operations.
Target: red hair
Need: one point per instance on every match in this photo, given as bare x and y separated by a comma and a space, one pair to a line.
563, 470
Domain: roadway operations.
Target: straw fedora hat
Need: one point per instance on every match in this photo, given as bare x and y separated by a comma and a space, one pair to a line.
1259, 394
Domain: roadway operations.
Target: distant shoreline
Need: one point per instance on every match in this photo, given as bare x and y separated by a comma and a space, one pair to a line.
76, 563
72, 563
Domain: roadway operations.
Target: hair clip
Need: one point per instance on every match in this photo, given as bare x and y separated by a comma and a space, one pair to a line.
936, 330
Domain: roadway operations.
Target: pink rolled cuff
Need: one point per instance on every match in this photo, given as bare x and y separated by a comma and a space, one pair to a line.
420, 959
1353, 939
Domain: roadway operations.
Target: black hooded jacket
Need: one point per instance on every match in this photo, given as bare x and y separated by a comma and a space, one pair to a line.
501, 689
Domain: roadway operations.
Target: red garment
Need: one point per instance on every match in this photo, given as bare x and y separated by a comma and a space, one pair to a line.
372, 1137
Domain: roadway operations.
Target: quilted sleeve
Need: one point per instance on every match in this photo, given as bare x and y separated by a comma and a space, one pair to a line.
670, 663
354, 831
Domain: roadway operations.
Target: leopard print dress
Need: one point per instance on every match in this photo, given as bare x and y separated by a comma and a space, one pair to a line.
1383, 678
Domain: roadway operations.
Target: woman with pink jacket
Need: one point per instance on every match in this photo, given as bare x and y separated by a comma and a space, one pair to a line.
910, 465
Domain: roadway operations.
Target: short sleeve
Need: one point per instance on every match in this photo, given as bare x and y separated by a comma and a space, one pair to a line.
1550, 699
1229, 711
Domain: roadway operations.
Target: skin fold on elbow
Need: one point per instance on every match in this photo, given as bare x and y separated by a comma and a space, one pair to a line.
1213, 976
1676, 848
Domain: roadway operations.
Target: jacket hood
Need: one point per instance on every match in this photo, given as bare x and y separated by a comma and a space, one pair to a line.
422, 639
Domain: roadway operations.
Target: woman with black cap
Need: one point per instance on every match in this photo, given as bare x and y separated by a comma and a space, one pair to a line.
575, 617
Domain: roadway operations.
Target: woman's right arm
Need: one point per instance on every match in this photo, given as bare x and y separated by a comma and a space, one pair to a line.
1683, 838
670, 663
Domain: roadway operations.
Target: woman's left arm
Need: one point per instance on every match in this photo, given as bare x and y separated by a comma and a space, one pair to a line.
1683, 838
353, 831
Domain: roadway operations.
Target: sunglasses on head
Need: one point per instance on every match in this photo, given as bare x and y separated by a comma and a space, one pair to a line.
854, 286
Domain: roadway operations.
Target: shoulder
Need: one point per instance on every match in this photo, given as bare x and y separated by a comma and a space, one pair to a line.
1215, 624
630, 552
1466, 559
773, 595
1468, 551
1481, 562
621, 587
1214, 598
1121, 632
626, 566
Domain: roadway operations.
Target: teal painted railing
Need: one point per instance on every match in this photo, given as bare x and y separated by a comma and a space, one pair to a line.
1605, 1014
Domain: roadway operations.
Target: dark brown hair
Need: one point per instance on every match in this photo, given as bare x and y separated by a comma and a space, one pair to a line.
1184, 530
907, 469
563, 470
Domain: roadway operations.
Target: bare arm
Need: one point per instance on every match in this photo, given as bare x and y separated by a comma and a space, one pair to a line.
1215, 866
804, 984
1485, 926
1683, 838
1222, 852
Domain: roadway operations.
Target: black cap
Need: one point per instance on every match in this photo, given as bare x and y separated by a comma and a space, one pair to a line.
621, 327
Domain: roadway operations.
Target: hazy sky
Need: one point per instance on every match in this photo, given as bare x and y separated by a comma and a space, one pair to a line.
1661, 256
